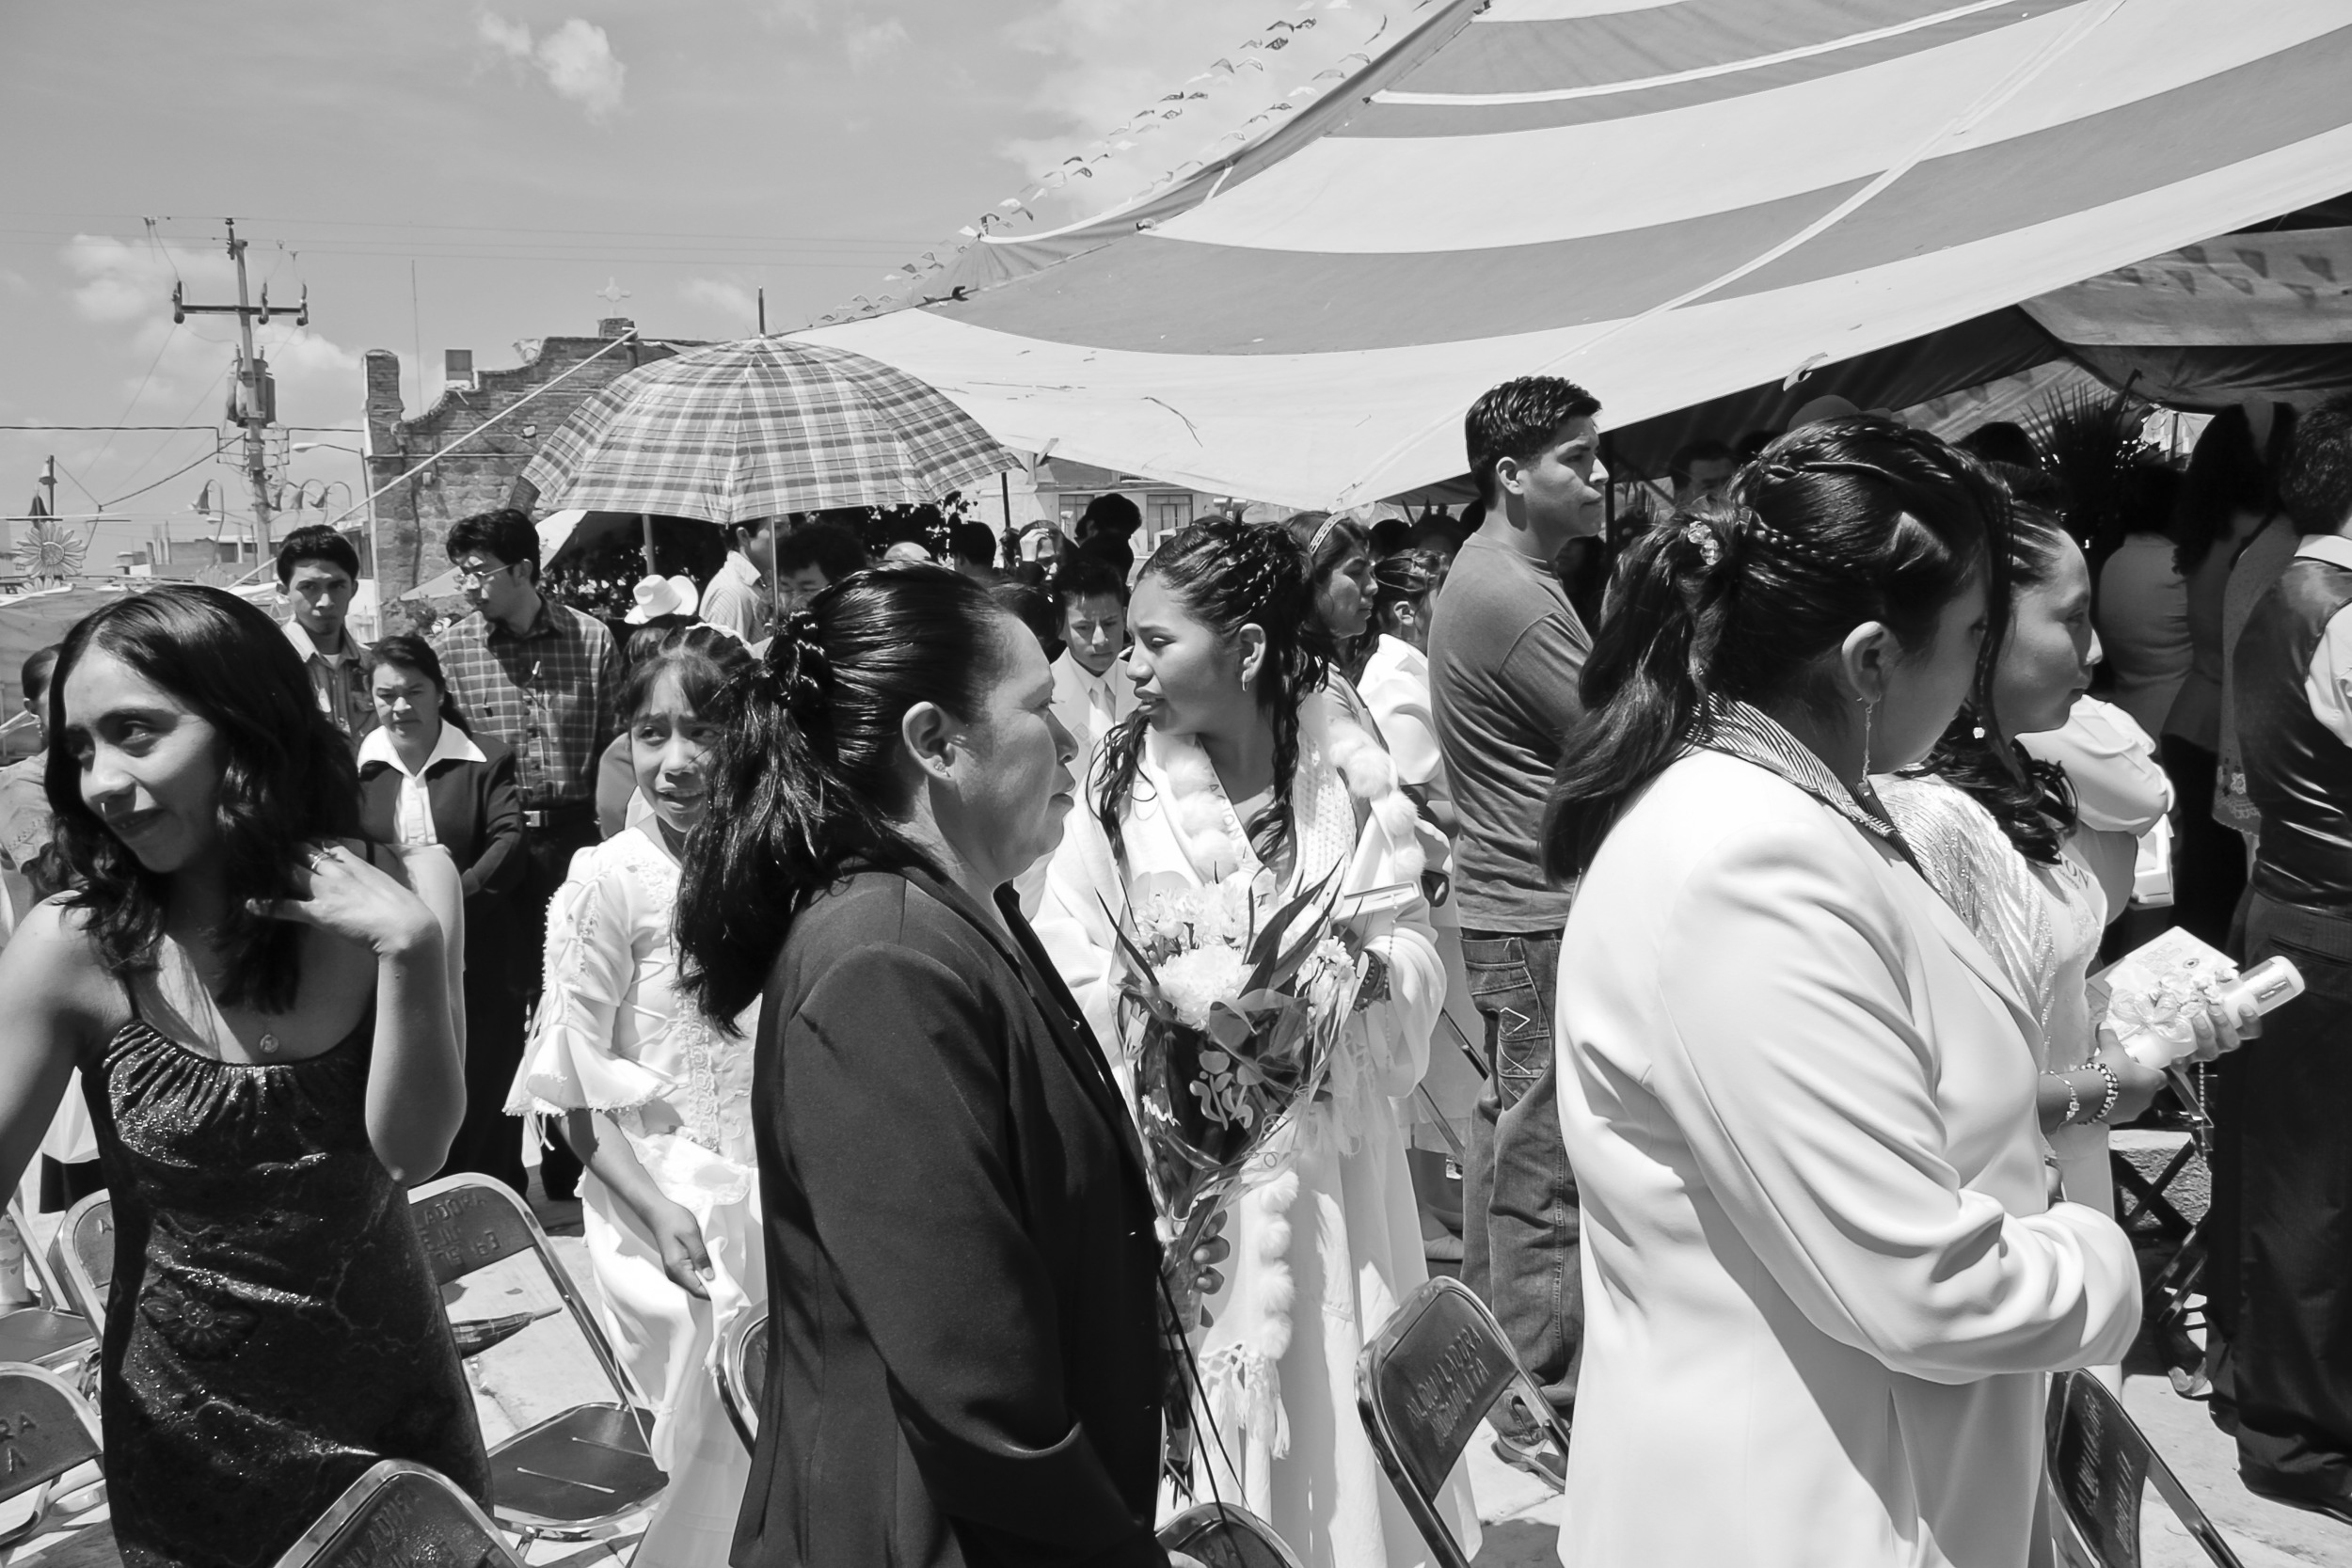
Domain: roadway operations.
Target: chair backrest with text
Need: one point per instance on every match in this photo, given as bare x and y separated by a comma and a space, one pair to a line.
397, 1515
2101, 1464
46, 1429
1436, 1369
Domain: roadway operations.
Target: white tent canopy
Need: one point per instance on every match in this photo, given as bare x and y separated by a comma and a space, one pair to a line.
1667, 201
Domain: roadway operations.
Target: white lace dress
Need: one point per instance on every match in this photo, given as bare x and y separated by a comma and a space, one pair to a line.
613, 1035
1326, 1237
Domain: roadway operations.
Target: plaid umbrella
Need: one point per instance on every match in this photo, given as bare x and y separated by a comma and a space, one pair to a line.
764, 426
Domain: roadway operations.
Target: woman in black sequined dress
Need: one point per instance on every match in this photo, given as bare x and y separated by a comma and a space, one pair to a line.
260, 1006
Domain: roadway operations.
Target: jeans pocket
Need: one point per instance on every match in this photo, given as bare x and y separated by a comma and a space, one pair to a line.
1519, 1026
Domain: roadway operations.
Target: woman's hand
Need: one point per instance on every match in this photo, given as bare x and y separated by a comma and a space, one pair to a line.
344, 894
1191, 1278
2220, 1029
684, 1258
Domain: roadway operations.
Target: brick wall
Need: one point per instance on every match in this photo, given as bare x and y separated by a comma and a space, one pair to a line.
482, 471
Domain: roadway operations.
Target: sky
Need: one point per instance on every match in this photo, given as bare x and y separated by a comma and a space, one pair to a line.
440, 174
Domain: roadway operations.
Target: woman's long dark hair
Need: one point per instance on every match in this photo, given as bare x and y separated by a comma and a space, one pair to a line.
1230, 575
805, 787
286, 779
1832, 525
1329, 541
404, 652
2227, 474
2032, 800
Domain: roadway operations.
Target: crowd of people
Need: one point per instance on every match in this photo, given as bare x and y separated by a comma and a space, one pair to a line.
1756, 850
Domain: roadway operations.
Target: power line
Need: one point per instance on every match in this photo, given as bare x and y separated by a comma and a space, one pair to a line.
210, 456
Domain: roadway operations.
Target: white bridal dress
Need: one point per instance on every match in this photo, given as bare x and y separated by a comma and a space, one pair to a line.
614, 1035
1326, 1239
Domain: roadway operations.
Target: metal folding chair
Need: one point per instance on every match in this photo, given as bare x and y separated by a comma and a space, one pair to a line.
82, 1255
1223, 1536
400, 1512
1440, 1367
742, 1373
46, 1429
49, 1333
2100, 1463
579, 1470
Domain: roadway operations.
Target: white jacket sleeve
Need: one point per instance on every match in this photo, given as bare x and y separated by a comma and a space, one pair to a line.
569, 1063
1082, 887
1794, 1065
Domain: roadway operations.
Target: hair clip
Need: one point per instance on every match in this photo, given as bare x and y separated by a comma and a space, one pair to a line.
1711, 547
1322, 533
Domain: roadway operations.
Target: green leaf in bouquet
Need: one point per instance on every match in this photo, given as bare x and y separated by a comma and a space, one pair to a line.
1266, 950
1216, 1061
1258, 1003
1126, 945
1227, 1027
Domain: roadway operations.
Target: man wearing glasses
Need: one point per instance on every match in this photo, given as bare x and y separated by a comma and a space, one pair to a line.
545, 679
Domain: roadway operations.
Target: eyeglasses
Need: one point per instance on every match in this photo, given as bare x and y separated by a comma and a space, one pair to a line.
474, 577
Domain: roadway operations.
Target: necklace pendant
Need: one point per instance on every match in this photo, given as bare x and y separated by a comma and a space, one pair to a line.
269, 1044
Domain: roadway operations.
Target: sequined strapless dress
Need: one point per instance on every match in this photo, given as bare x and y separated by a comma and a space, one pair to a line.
272, 1329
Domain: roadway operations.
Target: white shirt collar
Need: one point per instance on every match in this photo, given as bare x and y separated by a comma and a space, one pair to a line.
2333, 549
1088, 681
454, 745
310, 650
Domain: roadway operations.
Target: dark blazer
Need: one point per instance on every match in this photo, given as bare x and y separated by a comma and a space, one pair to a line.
477, 815
964, 1355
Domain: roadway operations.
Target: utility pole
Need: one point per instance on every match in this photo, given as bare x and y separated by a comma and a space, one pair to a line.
49, 483
254, 402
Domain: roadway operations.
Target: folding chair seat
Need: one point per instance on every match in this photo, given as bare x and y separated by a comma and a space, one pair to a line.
1223, 1536
82, 1256
582, 1468
400, 1512
2100, 1466
742, 1373
46, 1429
1438, 1368
50, 1333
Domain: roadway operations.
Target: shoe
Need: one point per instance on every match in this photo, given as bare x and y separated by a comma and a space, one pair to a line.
2336, 1505
1442, 1249
1536, 1457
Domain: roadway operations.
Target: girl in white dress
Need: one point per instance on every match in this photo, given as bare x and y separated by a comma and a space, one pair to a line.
1238, 765
656, 1100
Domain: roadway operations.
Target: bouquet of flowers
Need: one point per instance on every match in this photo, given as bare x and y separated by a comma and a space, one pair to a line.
1231, 1022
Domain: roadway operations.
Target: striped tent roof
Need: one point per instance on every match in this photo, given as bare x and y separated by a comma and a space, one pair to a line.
1664, 199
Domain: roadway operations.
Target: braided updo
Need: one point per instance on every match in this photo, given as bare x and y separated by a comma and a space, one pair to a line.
1228, 575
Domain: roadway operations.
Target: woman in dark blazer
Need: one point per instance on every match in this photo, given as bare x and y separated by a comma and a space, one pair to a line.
424, 779
965, 1362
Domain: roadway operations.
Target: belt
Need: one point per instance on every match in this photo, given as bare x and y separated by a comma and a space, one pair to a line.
559, 815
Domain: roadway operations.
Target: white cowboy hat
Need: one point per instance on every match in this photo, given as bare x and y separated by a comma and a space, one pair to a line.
658, 596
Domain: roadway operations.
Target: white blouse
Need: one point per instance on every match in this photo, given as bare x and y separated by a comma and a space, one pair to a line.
615, 1034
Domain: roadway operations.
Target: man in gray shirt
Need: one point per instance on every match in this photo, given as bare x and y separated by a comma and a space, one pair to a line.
1506, 651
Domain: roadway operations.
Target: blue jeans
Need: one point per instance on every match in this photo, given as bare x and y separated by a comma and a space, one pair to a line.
1520, 1229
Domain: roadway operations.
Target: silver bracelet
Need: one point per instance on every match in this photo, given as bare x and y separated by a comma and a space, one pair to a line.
2114, 1092
2073, 1100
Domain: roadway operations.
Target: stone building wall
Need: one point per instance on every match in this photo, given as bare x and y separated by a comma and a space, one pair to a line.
480, 472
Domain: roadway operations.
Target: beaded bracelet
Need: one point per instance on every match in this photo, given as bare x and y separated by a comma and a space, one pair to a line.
2115, 1091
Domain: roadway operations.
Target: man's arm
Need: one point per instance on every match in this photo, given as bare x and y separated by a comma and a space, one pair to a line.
1542, 674
2328, 685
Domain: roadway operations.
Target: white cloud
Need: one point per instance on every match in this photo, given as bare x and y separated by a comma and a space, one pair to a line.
870, 43
732, 300
576, 58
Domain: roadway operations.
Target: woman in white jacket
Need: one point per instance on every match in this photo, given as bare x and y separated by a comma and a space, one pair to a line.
1825, 1280
1237, 765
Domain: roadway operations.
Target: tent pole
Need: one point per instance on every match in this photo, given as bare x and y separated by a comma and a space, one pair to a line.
645, 518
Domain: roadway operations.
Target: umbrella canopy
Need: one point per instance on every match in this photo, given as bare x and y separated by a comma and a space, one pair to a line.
757, 428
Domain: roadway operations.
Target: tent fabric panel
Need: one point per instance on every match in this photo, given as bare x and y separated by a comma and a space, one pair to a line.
1968, 353
1169, 295
2238, 290
2217, 376
1499, 54
1316, 429
1344, 195
1386, 117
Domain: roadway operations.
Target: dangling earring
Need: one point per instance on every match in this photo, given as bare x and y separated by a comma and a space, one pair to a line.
1870, 711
